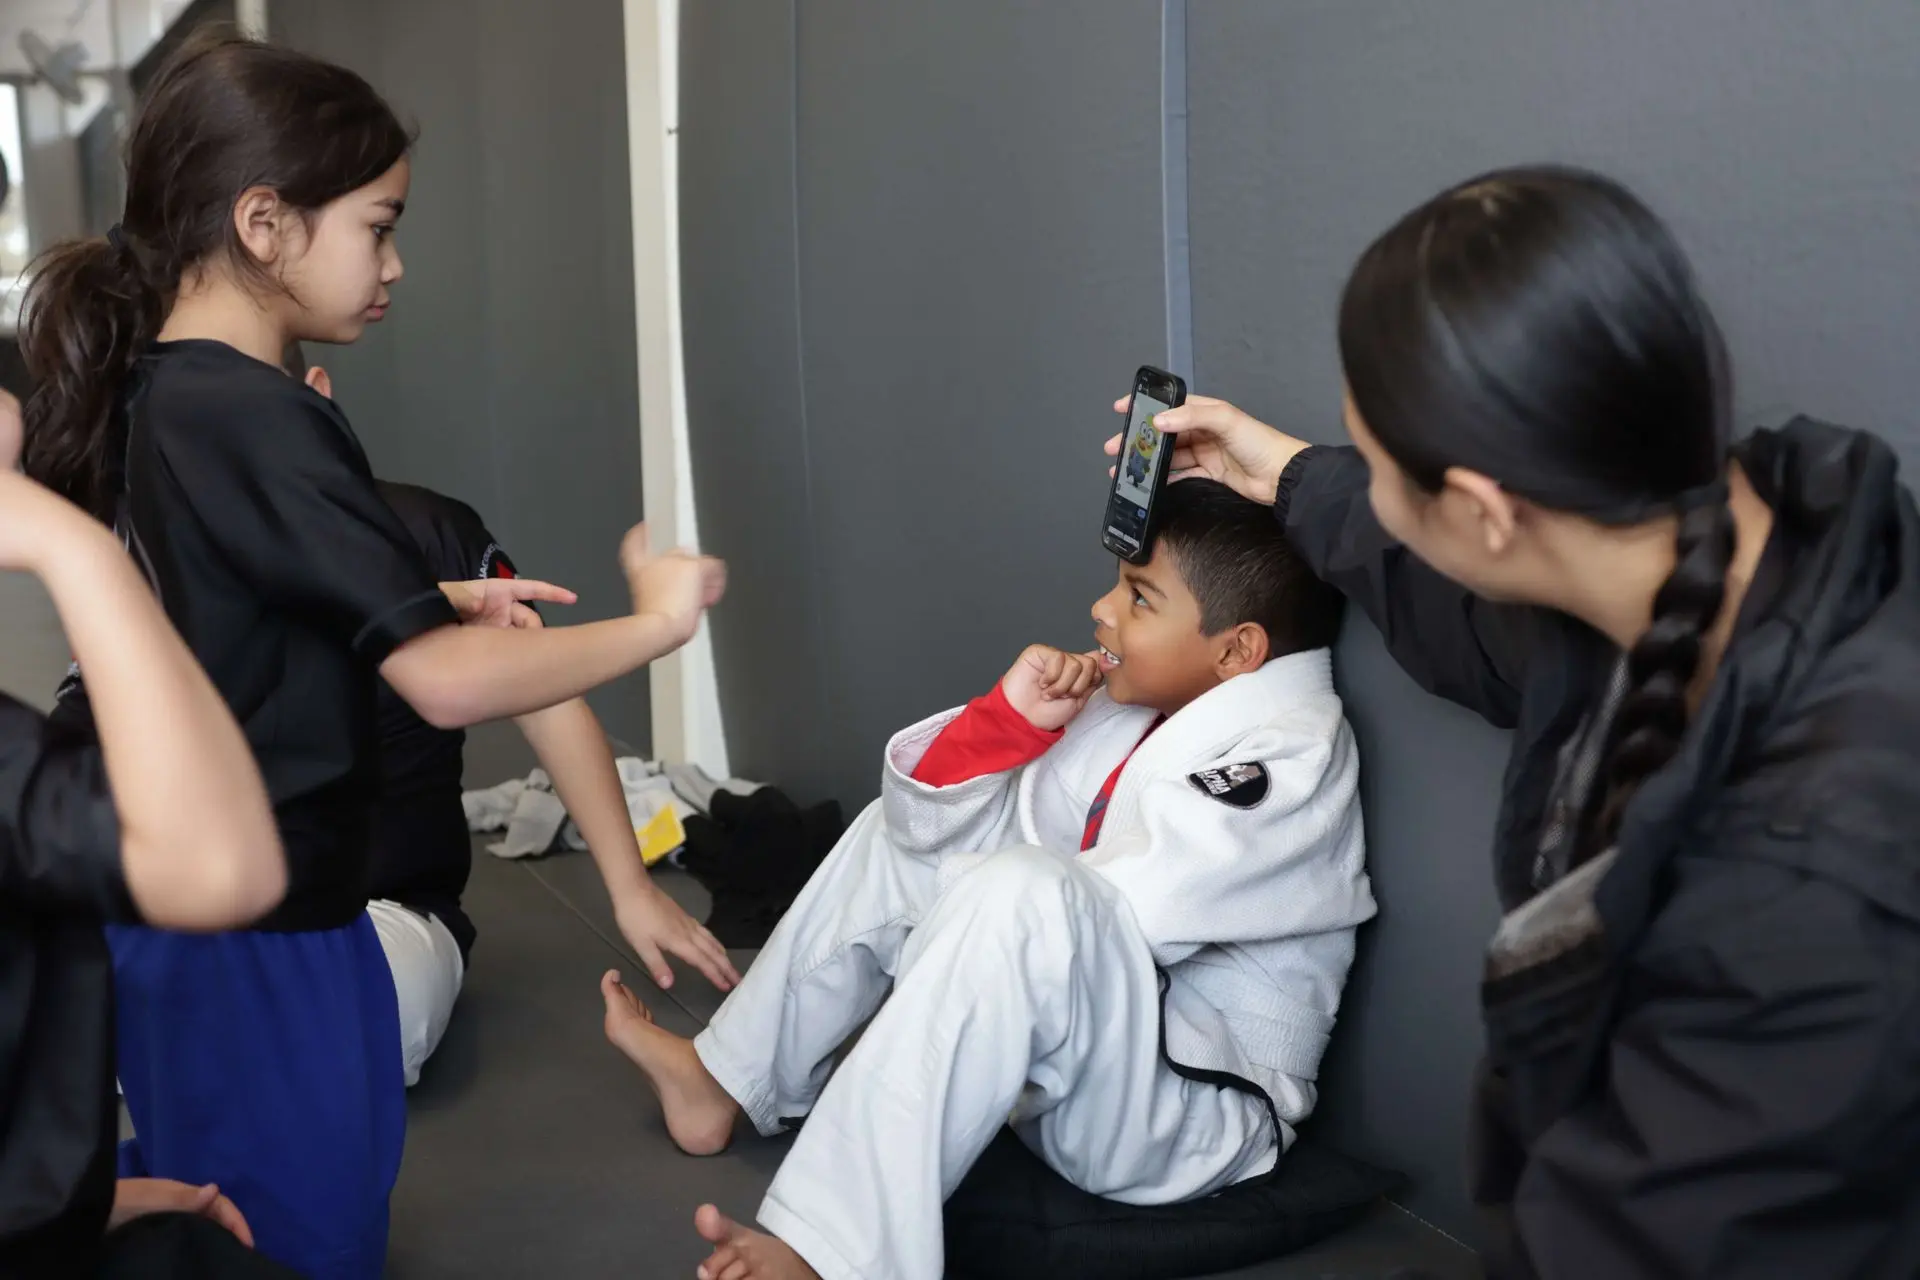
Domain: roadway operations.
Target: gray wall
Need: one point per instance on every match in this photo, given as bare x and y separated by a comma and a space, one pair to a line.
895, 196
506, 374
921, 255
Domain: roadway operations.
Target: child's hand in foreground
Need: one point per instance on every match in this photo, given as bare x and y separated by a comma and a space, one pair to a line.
502, 602
138, 1197
1050, 687
679, 586
656, 927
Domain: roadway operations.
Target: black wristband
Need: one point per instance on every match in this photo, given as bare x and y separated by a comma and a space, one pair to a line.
1289, 478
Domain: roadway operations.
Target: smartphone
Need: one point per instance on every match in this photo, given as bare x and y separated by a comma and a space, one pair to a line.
1140, 472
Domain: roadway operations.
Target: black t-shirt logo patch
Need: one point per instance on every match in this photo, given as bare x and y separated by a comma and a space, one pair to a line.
1240, 785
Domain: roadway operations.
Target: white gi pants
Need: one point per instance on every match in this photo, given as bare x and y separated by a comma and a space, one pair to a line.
1021, 988
427, 973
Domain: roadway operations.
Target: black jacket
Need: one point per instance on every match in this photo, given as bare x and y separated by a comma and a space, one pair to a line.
1728, 1084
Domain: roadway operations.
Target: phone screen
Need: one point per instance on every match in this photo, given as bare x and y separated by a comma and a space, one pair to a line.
1139, 462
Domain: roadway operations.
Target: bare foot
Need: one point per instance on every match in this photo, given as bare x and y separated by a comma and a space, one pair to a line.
700, 1114
742, 1254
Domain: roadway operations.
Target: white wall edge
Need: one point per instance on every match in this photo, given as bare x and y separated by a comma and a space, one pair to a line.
684, 686
251, 17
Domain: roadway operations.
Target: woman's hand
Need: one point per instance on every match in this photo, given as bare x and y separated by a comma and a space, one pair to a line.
1220, 442
678, 586
656, 927
1050, 686
138, 1197
501, 602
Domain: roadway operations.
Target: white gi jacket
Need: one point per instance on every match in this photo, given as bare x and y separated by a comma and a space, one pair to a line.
1234, 833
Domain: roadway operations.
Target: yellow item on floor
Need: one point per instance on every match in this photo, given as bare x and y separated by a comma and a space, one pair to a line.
661, 836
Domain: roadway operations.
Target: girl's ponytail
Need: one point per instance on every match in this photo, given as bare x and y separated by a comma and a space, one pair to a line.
92, 308
225, 115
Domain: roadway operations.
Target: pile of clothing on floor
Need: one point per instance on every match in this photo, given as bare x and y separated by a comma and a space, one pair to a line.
750, 845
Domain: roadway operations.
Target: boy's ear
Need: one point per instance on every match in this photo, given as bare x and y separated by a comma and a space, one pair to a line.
317, 379
1244, 648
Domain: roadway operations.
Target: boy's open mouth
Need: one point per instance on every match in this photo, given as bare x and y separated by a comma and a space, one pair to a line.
1108, 659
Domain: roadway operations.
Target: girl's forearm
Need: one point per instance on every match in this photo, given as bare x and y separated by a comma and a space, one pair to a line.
460, 676
573, 749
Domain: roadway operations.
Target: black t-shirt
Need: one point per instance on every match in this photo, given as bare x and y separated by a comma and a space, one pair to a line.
250, 506
422, 853
60, 876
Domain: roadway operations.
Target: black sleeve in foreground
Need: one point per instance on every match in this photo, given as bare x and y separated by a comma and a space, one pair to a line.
59, 833
285, 492
1453, 643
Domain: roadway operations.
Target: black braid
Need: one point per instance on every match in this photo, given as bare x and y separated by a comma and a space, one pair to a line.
1653, 712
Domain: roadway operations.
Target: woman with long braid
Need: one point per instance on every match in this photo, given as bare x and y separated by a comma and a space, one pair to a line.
1703, 1004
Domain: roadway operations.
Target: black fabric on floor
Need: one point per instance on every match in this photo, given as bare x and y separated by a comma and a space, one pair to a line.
180, 1246
1013, 1218
536, 1151
754, 854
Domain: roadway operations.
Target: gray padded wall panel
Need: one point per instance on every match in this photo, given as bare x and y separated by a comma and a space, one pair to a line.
1778, 139
747, 420
980, 273
506, 374
975, 246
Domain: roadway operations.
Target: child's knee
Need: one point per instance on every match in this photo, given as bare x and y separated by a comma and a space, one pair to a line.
1015, 875
1022, 891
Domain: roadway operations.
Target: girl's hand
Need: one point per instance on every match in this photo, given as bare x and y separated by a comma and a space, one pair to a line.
678, 586
138, 1197
1050, 687
499, 602
1220, 442
656, 927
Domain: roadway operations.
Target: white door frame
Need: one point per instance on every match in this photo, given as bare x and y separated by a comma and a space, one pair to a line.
685, 692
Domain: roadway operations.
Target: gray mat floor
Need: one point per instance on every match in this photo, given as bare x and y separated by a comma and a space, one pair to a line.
536, 1151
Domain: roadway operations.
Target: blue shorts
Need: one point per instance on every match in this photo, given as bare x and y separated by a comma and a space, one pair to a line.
270, 1064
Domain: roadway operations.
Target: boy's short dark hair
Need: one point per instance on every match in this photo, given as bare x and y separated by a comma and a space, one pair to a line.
1235, 558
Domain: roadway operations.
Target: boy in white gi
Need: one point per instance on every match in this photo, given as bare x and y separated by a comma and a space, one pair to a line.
1163, 833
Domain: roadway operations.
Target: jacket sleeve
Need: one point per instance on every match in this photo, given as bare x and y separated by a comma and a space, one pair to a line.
980, 813
1762, 1098
1200, 871
1449, 640
989, 736
59, 833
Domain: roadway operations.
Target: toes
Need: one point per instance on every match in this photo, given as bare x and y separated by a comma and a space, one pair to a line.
620, 999
714, 1226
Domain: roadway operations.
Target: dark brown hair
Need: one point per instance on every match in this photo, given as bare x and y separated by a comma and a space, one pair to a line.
1235, 558
225, 115
1541, 326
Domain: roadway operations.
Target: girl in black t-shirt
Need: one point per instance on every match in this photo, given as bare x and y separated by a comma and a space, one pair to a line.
162, 818
263, 188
